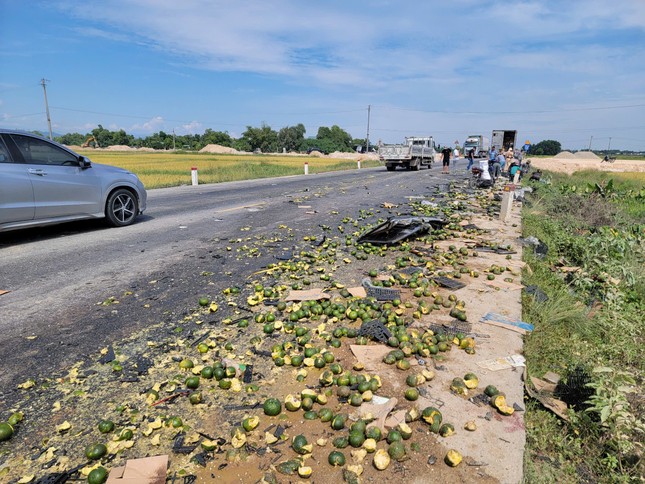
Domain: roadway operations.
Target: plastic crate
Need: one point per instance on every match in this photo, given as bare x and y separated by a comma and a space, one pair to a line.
380, 293
374, 330
453, 329
448, 282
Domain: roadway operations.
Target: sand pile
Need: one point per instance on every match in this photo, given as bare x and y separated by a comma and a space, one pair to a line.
354, 156
213, 148
120, 148
587, 155
566, 155
562, 166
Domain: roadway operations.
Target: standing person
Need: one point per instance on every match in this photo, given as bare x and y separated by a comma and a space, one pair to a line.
446, 159
501, 159
496, 168
471, 159
492, 156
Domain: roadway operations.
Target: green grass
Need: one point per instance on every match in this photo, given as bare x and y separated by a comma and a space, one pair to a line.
594, 277
162, 169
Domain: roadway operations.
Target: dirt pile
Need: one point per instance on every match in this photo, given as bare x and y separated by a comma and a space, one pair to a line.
354, 156
578, 164
587, 155
213, 148
565, 155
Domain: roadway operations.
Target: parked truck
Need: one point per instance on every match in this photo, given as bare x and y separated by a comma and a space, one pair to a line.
504, 139
412, 155
479, 144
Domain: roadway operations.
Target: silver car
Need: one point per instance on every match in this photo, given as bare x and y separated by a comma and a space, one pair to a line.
44, 183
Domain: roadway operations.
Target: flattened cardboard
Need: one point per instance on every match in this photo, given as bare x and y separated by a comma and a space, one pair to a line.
504, 363
308, 295
395, 419
543, 386
551, 377
558, 407
370, 355
379, 412
148, 470
357, 291
496, 364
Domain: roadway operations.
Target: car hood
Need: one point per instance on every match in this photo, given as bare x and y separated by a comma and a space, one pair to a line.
110, 169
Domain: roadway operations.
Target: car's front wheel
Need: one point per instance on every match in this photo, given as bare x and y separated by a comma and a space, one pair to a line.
121, 207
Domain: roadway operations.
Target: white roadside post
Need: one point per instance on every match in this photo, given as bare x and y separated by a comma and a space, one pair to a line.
507, 202
193, 175
359, 164
306, 167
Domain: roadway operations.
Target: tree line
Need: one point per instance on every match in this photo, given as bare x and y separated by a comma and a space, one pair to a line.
262, 139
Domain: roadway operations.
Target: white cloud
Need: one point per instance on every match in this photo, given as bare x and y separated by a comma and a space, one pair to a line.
87, 31
335, 44
194, 127
480, 56
152, 126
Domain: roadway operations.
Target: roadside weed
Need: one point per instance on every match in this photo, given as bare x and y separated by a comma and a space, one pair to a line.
593, 278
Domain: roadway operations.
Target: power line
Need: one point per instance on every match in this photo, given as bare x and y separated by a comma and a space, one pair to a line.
211, 122
515, 112
10, 116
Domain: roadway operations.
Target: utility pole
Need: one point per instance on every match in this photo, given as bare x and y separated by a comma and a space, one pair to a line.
590, 140
609, 145
43, 81
174, 148
367, 139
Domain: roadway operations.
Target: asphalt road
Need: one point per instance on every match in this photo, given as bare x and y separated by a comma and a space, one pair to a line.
59, 276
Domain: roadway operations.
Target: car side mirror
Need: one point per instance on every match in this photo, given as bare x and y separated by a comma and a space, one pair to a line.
84, 162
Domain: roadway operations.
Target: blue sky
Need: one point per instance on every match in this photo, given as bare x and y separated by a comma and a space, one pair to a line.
552, 69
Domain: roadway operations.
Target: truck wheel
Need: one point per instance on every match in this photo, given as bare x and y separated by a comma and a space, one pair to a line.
390, 167
414, 166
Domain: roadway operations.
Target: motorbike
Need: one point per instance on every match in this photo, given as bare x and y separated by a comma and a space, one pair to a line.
476, 180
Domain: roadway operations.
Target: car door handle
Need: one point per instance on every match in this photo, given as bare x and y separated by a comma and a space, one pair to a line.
37, 172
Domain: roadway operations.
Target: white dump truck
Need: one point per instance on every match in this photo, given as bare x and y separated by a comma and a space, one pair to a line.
412, 155
478, 143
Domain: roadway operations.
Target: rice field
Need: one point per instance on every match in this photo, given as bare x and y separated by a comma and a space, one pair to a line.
162, 169
635, 177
